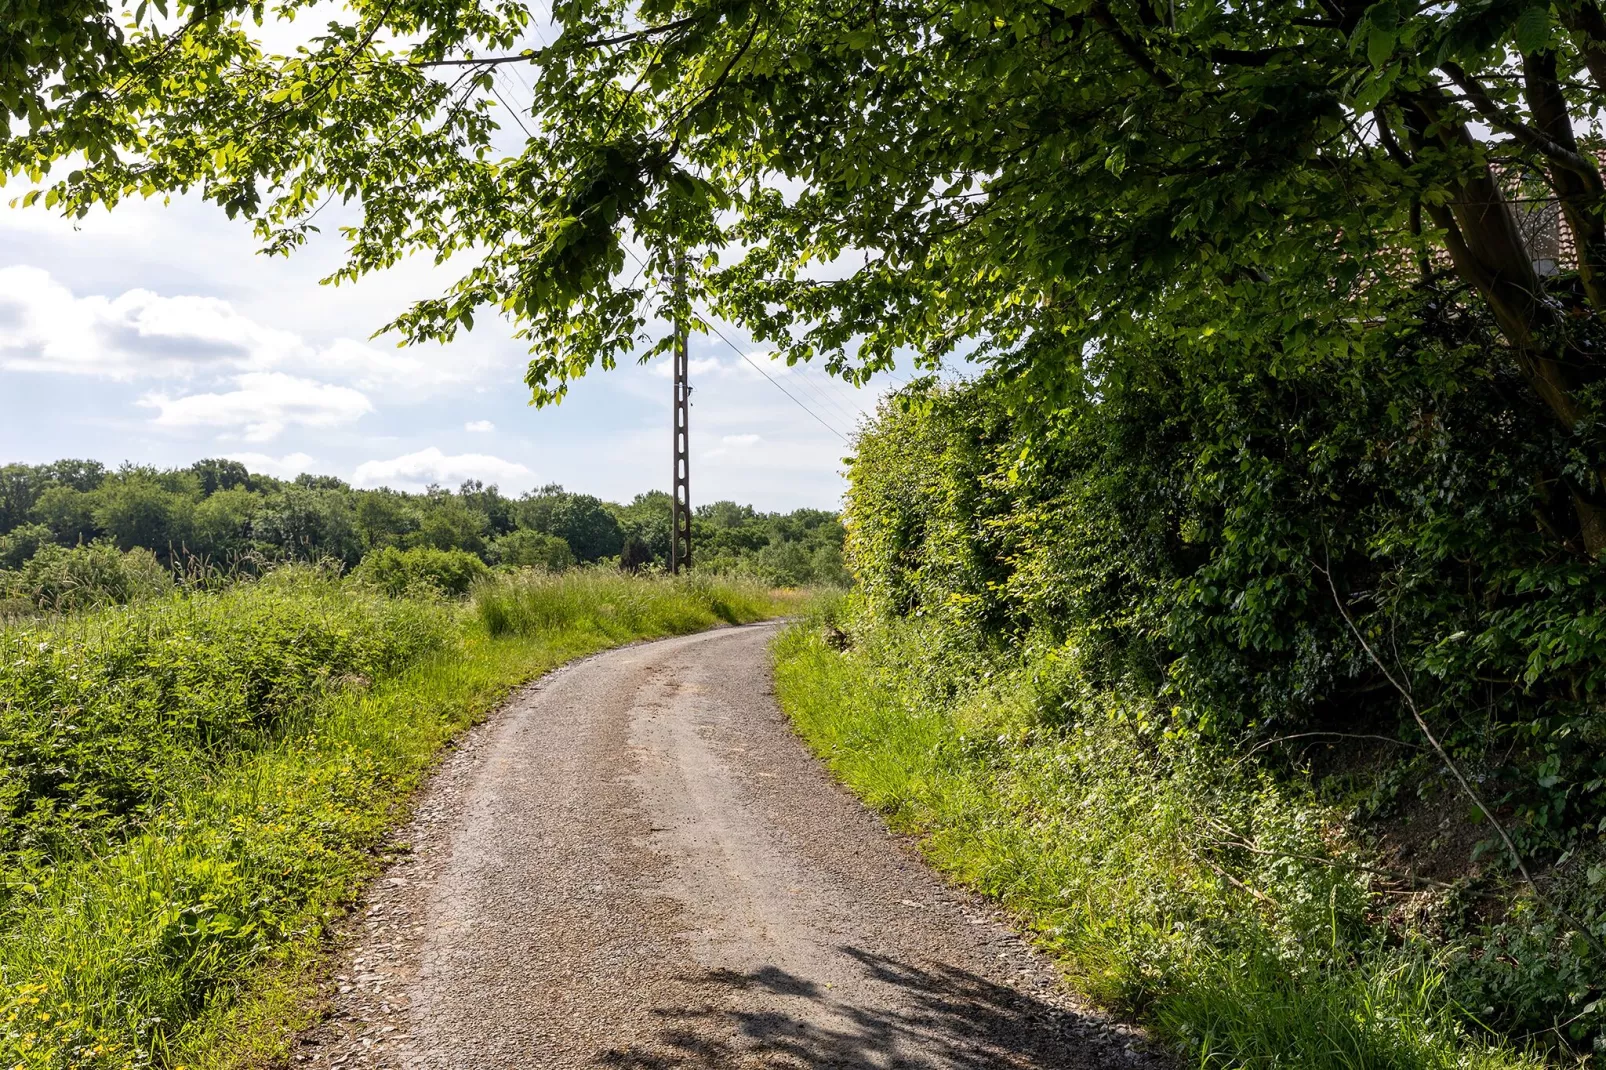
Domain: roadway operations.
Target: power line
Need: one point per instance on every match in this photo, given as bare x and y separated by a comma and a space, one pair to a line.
510, 110
750, 360
777, 385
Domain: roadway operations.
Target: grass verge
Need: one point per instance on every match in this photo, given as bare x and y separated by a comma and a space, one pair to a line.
241, 757
1226, 910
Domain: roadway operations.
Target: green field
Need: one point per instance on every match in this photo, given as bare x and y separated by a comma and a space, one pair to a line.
196, 787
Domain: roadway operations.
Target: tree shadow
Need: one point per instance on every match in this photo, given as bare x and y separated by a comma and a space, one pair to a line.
914, 1018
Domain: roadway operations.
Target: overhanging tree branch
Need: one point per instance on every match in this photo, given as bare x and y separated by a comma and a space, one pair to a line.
535, 55
1505, 122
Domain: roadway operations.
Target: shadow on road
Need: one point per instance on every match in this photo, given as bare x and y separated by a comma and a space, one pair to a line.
914, 1017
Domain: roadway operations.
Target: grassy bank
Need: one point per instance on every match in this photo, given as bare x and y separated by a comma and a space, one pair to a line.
196, 788
1229, 910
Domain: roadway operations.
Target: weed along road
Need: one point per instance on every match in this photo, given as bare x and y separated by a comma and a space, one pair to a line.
636, 864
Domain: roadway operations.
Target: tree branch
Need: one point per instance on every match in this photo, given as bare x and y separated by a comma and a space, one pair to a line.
535, 55
1504, 121
1135, 51
1455, 770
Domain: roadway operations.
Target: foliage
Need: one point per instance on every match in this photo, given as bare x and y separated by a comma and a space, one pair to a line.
1227, 909
591, 530
100, 712
614, 604
798, 549
1198, 539
1042, 181
61, 579
399, 571
217, 516
524, 548
21, 543
1200, 533
196, 788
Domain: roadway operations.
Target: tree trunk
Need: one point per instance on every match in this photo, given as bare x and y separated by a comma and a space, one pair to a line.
1488, 252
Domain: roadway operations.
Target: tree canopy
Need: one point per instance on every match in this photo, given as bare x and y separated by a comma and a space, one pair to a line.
1046, 182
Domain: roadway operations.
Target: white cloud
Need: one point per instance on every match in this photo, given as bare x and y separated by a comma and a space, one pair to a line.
733, 444
264, 404
141, 334
371, 368
417, 470
291, 464
481, 426
44, 328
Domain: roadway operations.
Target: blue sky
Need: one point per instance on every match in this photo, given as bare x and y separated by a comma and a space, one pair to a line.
155, 334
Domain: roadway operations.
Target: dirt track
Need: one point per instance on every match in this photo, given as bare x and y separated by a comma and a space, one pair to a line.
636, 864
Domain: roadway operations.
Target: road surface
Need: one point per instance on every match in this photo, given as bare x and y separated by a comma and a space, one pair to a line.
636, 864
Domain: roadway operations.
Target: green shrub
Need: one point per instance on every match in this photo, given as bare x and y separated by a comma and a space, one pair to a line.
525, 548
397, 571
21, 543
97, 712
1230, 910
68, 578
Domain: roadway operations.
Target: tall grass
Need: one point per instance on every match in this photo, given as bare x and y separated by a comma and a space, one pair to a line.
615, 605
257, 744
1220, 907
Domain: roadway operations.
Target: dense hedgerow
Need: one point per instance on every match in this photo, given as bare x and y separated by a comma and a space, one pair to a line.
1192, 532
1229, 909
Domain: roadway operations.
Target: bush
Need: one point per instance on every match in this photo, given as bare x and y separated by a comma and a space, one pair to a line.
97, 711
1192, 533
1171, 879
21, 543
398, 571
524, 548
80, 577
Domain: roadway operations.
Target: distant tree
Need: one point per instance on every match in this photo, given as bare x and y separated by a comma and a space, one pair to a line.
534, 510
312, 482
725, 514
635, 554
219, 473
69, 513
645, 521
499, 512
77, 474
448, 524
385, 517
22, 543
584, 522
20, 487
221, 525
139, 512
531, 549
587, 526
299, 522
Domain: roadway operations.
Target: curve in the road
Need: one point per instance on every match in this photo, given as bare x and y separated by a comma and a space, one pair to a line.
636, 864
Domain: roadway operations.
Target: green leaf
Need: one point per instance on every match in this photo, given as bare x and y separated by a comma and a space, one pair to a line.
1533, 29
1379, 45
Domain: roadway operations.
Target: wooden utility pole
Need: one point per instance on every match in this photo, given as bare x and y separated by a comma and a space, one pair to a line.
680, 502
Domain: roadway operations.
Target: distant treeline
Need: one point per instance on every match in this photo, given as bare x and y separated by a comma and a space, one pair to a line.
217, 514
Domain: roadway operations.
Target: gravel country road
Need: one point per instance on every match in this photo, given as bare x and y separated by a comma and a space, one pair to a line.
636, 864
